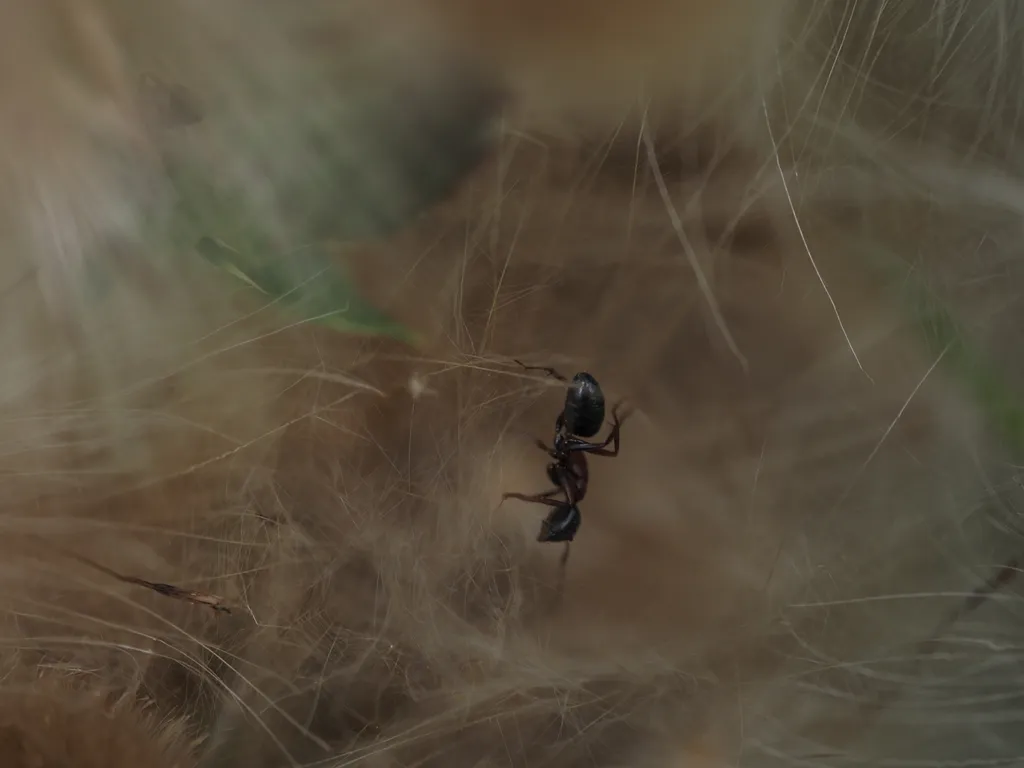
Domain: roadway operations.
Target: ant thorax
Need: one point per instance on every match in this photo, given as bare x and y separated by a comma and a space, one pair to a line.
558, 445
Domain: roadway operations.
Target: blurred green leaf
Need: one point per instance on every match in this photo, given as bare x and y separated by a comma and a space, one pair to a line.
943, 336
354, 165
217, 220
312, 284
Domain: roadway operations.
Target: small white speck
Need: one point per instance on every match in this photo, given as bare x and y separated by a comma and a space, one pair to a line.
418, 387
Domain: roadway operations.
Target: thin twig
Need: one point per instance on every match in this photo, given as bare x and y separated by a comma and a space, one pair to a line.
213, 602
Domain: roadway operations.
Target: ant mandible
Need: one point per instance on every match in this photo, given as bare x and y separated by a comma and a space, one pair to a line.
581, 417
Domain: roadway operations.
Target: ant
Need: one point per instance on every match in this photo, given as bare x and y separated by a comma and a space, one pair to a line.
581, 417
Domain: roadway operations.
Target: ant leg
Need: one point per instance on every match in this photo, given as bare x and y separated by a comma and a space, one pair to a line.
601, 449
537, 498
563, 561
597, 449
549, 371
544, 447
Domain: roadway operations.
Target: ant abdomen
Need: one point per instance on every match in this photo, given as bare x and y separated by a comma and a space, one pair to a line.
561, 525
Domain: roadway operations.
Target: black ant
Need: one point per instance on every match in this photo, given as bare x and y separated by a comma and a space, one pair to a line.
582, 416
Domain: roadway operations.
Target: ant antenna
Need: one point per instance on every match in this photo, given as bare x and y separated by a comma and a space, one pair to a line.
549, 371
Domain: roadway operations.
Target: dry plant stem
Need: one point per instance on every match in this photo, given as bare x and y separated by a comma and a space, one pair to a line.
1003, 576
213, 602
